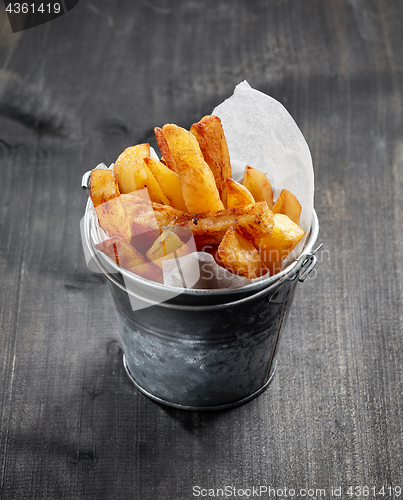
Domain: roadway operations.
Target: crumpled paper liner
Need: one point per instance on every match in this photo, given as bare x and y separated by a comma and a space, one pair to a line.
199, 270
261, 133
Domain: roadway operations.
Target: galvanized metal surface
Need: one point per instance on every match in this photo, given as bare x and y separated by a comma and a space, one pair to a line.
198, 408
202, 359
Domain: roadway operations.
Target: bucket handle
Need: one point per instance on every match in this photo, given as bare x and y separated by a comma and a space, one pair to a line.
85, 180
307, 266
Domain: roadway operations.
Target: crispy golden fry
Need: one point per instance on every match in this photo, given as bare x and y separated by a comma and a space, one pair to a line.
127, 257
141, 210
167, 246
181, 252
275, 248
121, 252
254, 221
288, 204
134, 174
208, 228
144, 214
164, 148
104, 185
212, 250
143, 237
152, 185
141, 218
113, 218
258, 184
166, 216
169, 182
198, 185
130, 179
240, 256
210, 136
238, 195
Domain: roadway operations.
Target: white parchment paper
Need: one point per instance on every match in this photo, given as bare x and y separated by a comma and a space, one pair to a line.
261, 133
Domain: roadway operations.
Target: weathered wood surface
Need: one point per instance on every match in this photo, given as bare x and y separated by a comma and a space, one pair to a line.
77, 91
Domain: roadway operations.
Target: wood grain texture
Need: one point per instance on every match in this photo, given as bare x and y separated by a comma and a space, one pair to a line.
79, 90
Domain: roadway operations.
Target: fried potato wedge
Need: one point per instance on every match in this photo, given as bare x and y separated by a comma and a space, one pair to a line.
169, 182
145, 214
288, 204
212, 250
238, 195
240, 256
103, 185
112, 217
198, 184
154, 189
126, 167
210, 136
140, 210
167, 156
165, 244
127, 257
141, 219
275, 248
258, 184
208, 228
168, 246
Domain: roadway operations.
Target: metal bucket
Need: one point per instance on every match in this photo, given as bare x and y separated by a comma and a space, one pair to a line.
203, 349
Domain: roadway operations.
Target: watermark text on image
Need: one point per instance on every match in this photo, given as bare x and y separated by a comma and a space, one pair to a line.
264, 491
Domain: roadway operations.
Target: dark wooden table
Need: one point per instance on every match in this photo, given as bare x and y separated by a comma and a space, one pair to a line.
77, 91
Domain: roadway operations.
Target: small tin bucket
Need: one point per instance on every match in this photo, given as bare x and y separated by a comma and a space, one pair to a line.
202, 349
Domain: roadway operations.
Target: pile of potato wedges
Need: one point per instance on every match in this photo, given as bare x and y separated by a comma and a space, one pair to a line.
153, 210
